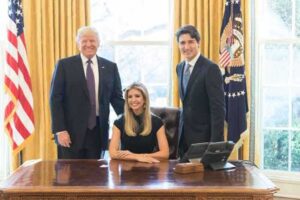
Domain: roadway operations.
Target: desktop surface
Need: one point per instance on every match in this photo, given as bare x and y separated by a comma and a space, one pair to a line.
110, 179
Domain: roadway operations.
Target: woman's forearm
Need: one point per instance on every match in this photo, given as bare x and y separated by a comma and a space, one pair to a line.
127, 155
161, 155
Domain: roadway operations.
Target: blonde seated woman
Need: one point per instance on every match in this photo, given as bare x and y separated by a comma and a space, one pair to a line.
138, 134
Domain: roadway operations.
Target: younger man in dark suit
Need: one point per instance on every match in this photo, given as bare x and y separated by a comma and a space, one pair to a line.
82, 88
201, 92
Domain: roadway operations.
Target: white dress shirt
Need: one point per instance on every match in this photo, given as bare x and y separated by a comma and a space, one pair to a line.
192, 62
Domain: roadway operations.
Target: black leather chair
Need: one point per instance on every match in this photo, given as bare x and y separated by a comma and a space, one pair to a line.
170, 117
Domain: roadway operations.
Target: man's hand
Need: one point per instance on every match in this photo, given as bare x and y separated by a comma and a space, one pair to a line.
64, 139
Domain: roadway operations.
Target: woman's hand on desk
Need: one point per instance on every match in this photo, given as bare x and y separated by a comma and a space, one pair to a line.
127, 155
145, 158
123, 154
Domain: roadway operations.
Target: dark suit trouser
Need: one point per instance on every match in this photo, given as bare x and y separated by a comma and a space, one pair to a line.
90, 150
183, 147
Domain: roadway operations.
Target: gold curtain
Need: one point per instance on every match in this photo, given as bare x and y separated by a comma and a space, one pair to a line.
50, 30
207, 16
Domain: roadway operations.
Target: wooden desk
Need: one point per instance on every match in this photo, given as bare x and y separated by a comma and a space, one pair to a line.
125, 180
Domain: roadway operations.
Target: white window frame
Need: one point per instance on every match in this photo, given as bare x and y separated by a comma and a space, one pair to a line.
139, 42
288, 182
149, 43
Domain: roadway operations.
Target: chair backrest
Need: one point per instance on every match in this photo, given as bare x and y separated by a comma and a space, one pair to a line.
170, 117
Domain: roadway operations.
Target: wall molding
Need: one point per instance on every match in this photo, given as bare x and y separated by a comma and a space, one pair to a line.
287, 182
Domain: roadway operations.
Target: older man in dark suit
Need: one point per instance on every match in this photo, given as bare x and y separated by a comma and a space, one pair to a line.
82, 88
201, 92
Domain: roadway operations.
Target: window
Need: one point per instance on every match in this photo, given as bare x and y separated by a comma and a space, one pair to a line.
278, 70
136, 35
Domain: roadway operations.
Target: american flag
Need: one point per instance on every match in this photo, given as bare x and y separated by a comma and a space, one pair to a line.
231, 61
224, 58
18, 117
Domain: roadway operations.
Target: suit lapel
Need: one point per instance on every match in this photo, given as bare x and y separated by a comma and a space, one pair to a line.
80, 71
194, 75
101, 68
180, 77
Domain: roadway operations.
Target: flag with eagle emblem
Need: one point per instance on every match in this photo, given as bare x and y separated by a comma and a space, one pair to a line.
232, 64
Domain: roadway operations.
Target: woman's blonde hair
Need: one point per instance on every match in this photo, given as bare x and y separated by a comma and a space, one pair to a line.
131, 125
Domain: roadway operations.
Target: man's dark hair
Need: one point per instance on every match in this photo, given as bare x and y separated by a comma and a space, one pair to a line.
188, 29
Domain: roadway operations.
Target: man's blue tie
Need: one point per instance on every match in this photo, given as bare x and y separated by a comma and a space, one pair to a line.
186, 77
90, 80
